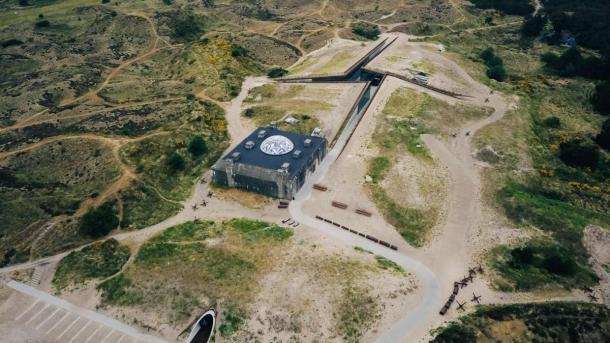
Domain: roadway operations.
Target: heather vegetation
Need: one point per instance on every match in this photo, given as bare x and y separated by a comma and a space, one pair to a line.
542, 322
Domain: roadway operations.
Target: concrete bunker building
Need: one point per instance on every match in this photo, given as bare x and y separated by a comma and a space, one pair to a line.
271, 162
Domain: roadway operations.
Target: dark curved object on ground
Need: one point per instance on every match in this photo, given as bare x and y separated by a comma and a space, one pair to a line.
203, 329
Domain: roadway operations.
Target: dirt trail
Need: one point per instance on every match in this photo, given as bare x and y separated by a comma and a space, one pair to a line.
237, 127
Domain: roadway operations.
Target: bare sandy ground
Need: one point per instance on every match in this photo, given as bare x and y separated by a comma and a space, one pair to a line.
298, 299
334, 58
408, 58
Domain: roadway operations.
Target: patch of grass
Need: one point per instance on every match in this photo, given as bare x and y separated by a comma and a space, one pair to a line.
386, 264
356, 313
362, 250
188, 232
255, 230
232, 319
411, 223
303, 66
539, 322
378, 168
98, 260
195, 263
337, 64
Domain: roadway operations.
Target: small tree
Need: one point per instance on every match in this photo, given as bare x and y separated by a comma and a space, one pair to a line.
603, 138
98, 222
521, 257
366, 30
249, 112
497, 72
552, 122
238, 51
577, 153
532, 26
559, 263
277, 72
601, 98
197, 146
176, 161
487, 55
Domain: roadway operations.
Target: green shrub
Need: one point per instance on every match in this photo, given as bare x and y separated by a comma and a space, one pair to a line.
98, 222
495, 65
497, 73
577, 153
522, 257
186, 26
176, 162
249, 112
552, 122
515, 7
601, 98
197, 146
558, 262
277, 72
366, 30
42, 23
533, 25
238, 51
603, 138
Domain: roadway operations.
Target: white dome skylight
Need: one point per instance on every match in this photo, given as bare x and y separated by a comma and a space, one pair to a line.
277, 145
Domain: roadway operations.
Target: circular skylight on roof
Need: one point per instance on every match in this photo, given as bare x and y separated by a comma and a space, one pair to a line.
277, 145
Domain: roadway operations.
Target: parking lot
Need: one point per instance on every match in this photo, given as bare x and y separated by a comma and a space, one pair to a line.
34, 316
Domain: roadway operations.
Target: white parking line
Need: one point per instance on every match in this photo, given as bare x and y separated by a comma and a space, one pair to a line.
79, 331
87, 314
38, 313
69, 326
47, 319
27, 310
57, 323
93, 334
108, 335
120, 339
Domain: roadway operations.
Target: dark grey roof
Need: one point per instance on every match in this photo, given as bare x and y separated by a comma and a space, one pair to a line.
256, 157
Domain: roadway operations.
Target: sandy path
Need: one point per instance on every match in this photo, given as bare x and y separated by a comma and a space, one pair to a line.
238, 128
